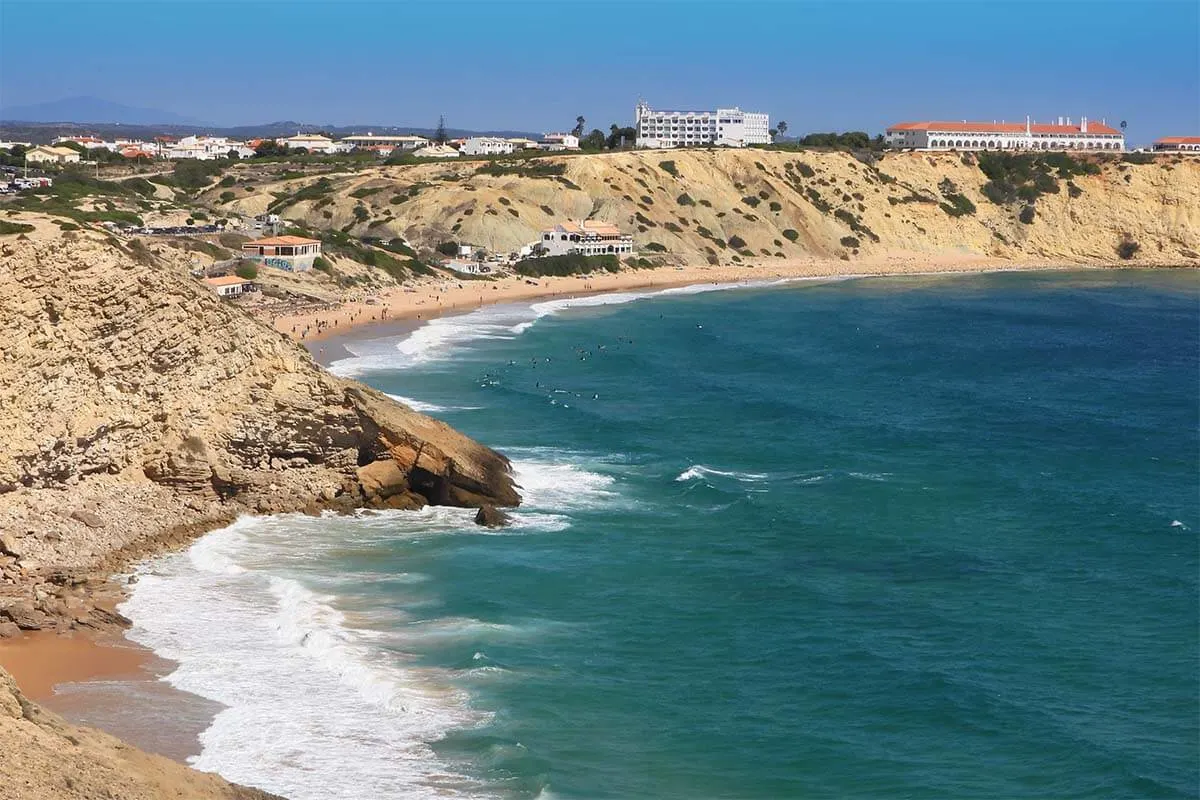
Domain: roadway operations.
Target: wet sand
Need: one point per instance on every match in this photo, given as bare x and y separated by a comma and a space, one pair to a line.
109, 683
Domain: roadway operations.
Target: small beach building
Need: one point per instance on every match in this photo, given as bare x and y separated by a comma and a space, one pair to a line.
1177, 144
589, 238
290, 253
229, 285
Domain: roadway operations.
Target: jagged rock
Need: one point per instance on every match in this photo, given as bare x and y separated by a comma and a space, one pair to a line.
24, 615
491, 517
92, 520
9, 630
9, 546
380, 480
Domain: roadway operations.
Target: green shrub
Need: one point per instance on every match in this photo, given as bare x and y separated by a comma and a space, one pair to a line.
669, 168
226, 197
322, 263
7, 228
364, 191
685, 200
1026, 215
849, 241
1127, 248
447, 248
247, 270
1073, 190
791, 235
227, 181
361, 214
751, 200
571, 264
1138, 158
805, 169
654, 247
958, 206
776, 206
737, 242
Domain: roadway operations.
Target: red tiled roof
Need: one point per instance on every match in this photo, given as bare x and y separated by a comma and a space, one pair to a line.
1178, 140
1000, 127
278, 240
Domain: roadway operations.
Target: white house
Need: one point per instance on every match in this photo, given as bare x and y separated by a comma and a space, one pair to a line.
730, 127
486, 146
1027, 135
589, 238
436, 151
559, 141
45, 154
312, 142
521, 143
395, 142
229, 285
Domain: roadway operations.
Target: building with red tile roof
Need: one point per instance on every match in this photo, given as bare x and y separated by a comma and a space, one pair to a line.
290, 253
589, 238
1027, 135
1178, 144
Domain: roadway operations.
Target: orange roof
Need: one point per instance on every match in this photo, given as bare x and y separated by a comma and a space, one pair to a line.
225, 280
1000, 127
274, 240
1178, 140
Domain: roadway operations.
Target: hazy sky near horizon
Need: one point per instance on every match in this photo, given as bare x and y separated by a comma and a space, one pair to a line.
535, 65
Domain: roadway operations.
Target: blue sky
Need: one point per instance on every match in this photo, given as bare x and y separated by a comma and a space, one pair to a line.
536, 65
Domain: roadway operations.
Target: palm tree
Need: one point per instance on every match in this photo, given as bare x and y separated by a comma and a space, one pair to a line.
579, 123
782, 127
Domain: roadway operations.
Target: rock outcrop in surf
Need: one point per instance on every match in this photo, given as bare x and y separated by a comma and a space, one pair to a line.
139, 409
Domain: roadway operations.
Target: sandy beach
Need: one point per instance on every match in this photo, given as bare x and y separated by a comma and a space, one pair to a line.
433, 297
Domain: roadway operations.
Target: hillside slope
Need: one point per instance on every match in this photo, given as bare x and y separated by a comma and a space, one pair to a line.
139, 406
695, 203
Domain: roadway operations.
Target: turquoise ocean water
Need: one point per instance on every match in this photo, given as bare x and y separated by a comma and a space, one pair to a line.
881, 538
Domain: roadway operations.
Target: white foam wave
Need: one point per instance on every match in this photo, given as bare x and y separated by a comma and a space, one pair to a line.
429, 408
557, 481
441, 337
700, 471
314, 707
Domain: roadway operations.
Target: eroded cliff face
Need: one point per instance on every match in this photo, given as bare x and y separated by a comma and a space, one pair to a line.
137, 405
688, 206
45, 757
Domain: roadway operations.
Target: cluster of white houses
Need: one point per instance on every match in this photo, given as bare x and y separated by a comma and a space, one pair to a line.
1028, 135
207, 148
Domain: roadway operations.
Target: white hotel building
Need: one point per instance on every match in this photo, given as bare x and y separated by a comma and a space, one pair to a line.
1027, 135
729, 127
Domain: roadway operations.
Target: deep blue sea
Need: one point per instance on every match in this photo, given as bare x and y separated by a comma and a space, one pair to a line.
922, 537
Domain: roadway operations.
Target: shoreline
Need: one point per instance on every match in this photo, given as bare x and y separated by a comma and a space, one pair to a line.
408, 307
95, 665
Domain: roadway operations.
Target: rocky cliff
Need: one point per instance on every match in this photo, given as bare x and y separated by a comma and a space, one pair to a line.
139, 408
739, 206
45, 757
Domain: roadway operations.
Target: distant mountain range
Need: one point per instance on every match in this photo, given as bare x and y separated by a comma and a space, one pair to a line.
40, 122
93, 109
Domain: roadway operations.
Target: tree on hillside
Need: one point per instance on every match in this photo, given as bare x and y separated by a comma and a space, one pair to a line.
773, 133
269, 148
619, 137
578, 129
593, 141
440, 135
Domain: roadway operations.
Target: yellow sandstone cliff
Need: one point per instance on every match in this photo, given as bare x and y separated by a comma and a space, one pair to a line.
693, 203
